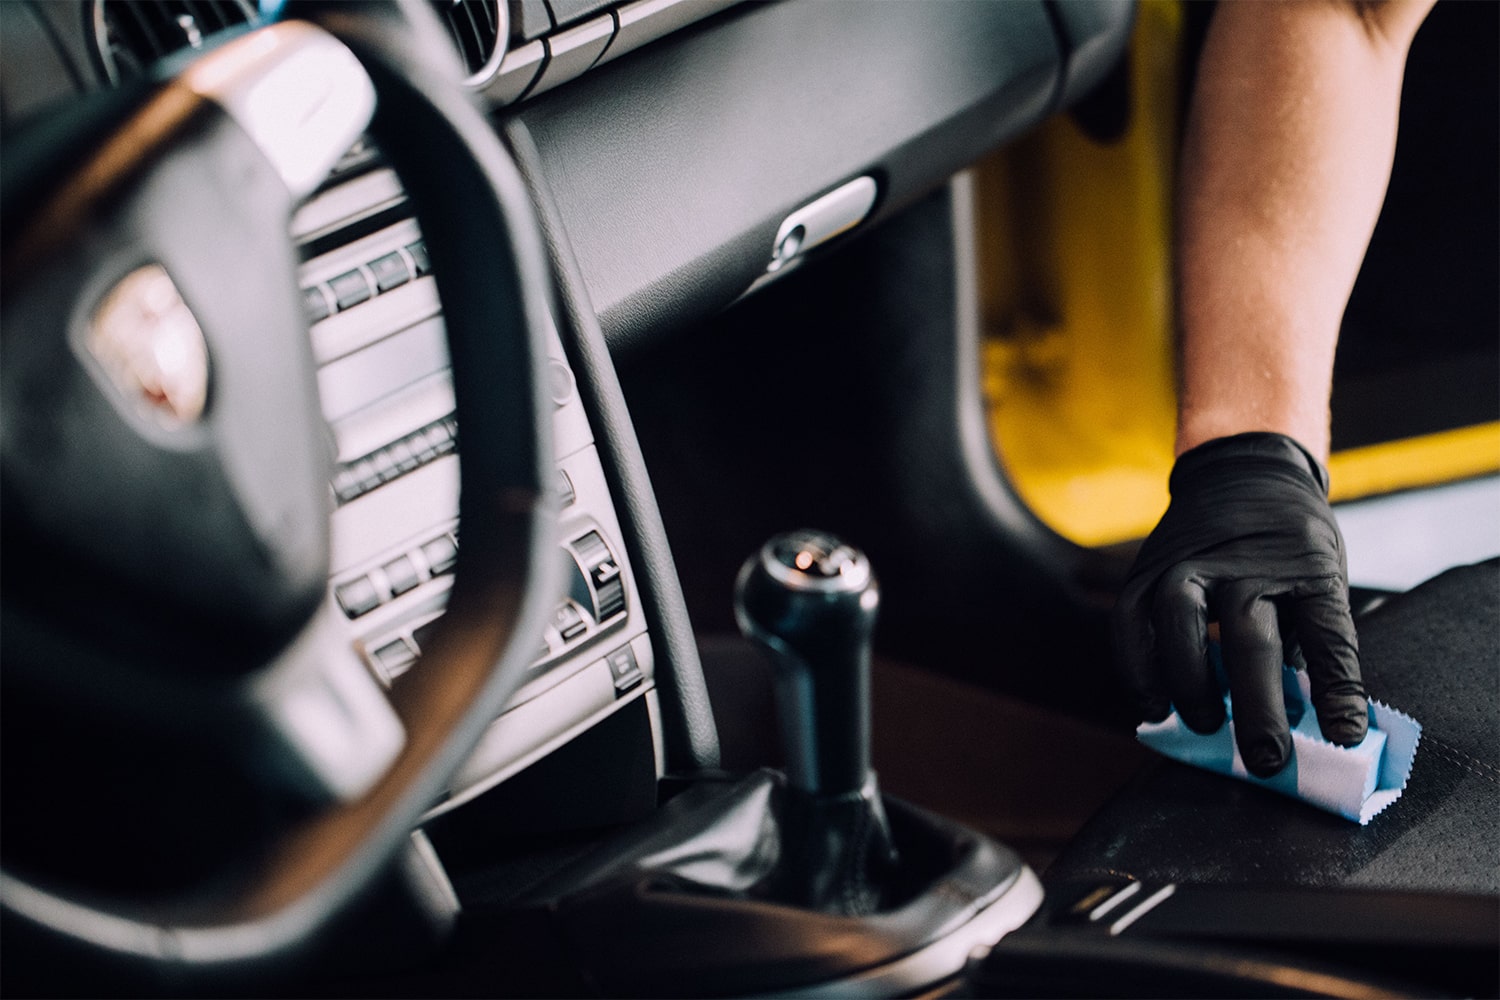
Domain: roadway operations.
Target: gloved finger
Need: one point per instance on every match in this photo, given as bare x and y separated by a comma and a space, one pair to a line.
1251, 641
1326, 630
1130, 623
1291, 648
1291, 655
1180, 615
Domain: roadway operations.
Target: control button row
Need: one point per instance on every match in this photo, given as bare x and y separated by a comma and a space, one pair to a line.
359, 476
398, 654
347, 290
404, 573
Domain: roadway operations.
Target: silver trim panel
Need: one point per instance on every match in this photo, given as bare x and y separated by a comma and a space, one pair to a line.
574, 51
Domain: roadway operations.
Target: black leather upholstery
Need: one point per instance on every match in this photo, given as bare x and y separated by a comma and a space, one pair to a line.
751, 887
1433, 652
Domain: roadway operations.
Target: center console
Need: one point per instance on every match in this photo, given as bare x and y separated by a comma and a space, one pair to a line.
788, 867
387, 393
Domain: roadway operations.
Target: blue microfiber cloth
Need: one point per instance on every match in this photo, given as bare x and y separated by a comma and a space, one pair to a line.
1355, 782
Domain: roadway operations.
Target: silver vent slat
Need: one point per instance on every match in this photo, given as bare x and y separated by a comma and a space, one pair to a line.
130, 35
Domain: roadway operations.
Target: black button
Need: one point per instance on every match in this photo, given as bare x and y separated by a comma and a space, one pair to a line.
441, 554
384, 464
346, 485
390, 271
358, 597
438, 437
350, 289
395, 658
569, 622
623, 668
420, 449
406, 458
591, 548
609, 599
418, 251
402, 574
367, 474
604, 572
315, 301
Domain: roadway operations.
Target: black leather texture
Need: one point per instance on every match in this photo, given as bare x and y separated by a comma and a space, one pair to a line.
752, 887
1433, 652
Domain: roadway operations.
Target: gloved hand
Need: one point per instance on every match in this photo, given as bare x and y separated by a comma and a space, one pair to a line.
1248, 541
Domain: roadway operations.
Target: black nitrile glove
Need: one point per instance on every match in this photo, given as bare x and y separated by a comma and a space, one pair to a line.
1248, 541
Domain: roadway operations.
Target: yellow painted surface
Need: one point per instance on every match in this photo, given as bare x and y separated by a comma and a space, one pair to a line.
1413, 462
1075, 244
1075, 268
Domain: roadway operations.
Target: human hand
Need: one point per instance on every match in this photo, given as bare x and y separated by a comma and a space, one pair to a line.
1248, 541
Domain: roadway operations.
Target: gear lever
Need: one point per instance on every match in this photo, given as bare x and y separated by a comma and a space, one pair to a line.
794, 878
810, 600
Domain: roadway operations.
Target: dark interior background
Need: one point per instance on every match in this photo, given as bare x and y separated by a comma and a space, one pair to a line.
1420, 348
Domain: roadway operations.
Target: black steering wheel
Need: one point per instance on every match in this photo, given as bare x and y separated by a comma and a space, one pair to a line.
166, 497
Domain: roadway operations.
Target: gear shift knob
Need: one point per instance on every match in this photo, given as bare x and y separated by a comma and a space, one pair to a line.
811, 600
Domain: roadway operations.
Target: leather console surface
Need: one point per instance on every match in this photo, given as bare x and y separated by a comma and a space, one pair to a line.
707, 898
1433, 652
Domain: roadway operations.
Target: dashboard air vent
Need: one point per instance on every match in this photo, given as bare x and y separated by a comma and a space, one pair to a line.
478, 27
133, 34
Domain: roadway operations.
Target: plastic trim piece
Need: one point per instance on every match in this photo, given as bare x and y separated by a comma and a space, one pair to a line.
528, 69
816, 223
690, 739
647, 20
573, 51
515, 75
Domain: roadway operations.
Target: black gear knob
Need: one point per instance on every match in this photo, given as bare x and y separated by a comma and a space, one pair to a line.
811, 600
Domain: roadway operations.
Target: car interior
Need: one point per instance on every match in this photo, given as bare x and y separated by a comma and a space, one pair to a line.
596, 498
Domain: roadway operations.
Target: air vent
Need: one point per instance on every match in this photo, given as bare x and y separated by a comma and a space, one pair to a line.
133, 34
479, 28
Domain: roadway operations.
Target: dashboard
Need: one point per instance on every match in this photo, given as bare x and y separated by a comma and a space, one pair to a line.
672, 191
681, 155
739, 239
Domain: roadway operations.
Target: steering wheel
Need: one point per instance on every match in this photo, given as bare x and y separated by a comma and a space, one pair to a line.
166, 468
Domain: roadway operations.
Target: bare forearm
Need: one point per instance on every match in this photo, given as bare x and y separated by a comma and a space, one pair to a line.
1287, 156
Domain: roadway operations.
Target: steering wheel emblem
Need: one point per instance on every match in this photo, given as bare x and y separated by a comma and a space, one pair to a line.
150, 345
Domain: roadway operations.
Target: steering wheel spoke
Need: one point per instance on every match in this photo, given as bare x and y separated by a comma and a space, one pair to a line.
165, 372
330, 718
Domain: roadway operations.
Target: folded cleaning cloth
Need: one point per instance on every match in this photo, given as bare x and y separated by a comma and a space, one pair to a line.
1356, 782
